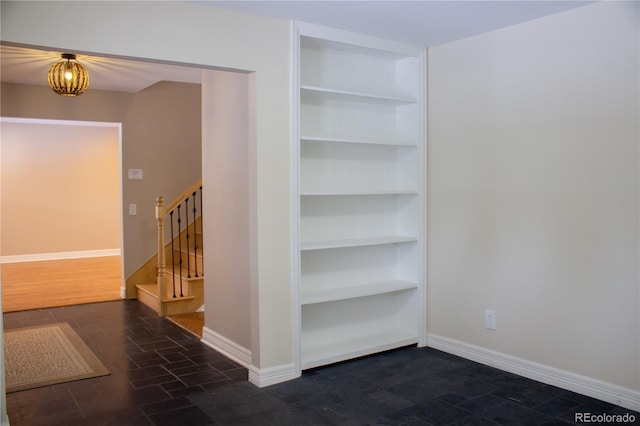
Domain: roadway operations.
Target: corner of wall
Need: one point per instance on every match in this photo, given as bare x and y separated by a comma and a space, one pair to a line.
614, 394
226, 347
263, 377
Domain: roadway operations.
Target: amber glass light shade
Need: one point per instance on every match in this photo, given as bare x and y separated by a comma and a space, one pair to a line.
67, 77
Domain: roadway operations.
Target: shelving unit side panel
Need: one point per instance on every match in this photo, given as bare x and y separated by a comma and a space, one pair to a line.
408, 125
408, 78
409, 258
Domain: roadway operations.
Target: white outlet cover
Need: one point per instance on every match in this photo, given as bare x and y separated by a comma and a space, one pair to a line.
490, 319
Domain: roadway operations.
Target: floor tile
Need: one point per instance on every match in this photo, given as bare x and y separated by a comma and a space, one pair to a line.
162, 375
510, 412
437, 412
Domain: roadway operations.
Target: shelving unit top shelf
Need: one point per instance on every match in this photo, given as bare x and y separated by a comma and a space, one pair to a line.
317, 36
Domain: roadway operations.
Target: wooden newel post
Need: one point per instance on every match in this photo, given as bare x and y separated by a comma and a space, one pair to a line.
162, 273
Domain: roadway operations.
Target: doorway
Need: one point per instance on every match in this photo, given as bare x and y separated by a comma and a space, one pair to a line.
61, 224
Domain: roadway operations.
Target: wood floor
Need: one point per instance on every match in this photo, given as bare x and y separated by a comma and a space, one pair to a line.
46, 284
192, 322
49, 284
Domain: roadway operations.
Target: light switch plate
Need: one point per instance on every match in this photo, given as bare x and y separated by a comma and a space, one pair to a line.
135, 173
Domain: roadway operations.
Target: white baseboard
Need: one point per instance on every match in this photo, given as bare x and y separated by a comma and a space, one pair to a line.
618, 395
226, 347
241, 355
37, 257
263, 377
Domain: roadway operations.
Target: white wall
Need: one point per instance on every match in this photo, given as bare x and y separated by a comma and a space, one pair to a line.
228, 199
190, 33
534, 194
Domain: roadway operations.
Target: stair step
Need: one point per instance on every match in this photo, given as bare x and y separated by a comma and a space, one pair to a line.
151, 290
148, 294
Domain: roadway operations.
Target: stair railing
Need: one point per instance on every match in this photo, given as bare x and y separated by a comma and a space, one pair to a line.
173, 212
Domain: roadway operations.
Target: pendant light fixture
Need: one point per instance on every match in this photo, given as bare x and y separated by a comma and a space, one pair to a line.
67, 77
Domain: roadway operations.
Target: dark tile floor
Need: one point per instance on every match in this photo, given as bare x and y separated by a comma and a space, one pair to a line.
161, 375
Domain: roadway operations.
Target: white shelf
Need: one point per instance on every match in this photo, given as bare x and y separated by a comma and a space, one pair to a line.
323, 40
363, 290
319, 139
359, 192
315, 356
355, 96
356, 242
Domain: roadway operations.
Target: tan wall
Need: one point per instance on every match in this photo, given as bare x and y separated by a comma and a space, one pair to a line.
21, 100
60, 188
161, 134
534, 191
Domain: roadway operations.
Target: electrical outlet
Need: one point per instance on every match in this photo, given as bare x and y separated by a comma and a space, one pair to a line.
133, 209
490, 319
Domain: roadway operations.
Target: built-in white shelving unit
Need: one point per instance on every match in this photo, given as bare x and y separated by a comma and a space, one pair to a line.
360, 203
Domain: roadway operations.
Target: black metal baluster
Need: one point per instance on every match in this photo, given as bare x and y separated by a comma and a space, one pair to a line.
202, 229
173, 260
195, 237
186, 208
180, 247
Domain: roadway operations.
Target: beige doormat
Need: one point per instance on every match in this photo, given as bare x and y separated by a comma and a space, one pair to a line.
46, 355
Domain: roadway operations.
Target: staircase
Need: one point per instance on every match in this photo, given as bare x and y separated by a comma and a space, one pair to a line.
179, 286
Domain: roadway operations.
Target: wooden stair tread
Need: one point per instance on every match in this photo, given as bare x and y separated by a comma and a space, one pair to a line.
152, 289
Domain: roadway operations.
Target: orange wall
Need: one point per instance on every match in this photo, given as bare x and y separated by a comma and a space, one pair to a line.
60, 188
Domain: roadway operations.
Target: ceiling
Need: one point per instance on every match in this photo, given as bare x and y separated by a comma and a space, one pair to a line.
30, 66
424, 23
421, 22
